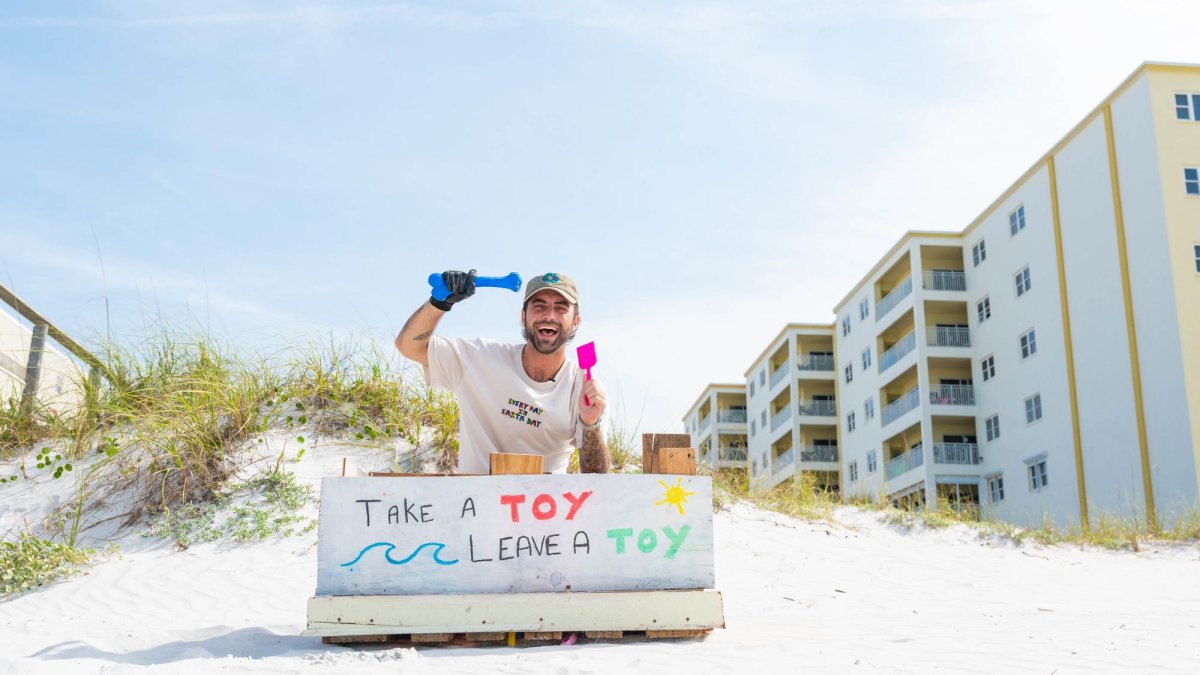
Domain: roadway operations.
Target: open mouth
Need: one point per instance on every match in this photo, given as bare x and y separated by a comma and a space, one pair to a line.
547, 332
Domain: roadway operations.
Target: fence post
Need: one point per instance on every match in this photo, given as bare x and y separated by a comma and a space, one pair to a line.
33, 368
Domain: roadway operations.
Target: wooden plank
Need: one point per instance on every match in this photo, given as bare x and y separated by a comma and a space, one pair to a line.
676, 461
514, 534
542, 635
507, 463
523, 612
346, 639
431, 637
689, 633
487, 637
652, 443
603, 634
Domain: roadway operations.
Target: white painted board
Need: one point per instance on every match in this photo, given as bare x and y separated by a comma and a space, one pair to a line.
514, 534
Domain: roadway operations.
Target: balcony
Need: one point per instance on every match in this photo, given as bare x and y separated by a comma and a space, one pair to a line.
819, 453
819, 362
948, 336
785, 460
778, 375
908, 401
889, 301
820, 408
952, 394
956, 453
731, 453
897, 351
898, 466
706, 422
735, 416
780, 417
944, 280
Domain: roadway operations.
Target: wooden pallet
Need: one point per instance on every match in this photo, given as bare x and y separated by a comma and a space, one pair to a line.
524, 639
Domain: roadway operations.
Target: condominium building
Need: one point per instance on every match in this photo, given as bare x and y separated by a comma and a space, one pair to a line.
1043, 363
717, 424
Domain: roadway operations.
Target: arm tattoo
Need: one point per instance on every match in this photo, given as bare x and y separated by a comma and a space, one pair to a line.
422, 337
594, 456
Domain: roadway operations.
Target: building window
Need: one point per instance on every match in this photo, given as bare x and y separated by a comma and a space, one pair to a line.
1196, 250
869, 409
1191, 180
753, 427
1016, 220
850, 422
853, 471
845, 326
996, 488
754, 467
1028, 344
1022, 280
872, 462
984, 309
1187, 107
1033, 408
849, 372
763, 423
988, 366
864, 309
752, 387
1037, 476
992, 427
979, 252
866, 358
762, 377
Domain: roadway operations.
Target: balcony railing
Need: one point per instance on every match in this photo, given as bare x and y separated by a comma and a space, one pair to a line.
780, 417
887, 302
956, 453
731, 416
820, 408
897, 351
944, 280
778, 375
731, 453
785, 460
898, 466
818, 362
909, 400
705, 422
819, 453
952, 394
948, 336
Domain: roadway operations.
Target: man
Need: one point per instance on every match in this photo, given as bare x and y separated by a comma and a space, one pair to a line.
518, 398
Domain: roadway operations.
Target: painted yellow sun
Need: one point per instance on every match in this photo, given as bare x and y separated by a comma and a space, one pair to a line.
675, 495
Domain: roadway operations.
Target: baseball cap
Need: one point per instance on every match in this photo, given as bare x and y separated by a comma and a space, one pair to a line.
560, 283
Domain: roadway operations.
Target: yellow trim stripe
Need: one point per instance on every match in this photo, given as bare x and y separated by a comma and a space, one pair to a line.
1134, 363
1066, 317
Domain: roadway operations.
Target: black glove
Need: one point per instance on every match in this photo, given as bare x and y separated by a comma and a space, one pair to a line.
461, 286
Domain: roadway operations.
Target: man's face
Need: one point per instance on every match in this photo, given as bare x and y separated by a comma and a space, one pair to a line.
548, 321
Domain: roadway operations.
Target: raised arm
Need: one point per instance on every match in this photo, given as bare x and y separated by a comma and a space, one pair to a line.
413, 340
594, 456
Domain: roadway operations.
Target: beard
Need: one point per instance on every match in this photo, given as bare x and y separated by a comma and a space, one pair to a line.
543, 344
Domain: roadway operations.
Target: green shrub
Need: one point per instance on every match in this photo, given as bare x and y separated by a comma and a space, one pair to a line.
30, 562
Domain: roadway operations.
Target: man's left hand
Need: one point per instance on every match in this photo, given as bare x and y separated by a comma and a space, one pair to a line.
598, 399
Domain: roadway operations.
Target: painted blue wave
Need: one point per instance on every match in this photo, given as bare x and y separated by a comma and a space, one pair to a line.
391, 547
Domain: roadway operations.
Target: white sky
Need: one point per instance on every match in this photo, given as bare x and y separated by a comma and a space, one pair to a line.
708, 171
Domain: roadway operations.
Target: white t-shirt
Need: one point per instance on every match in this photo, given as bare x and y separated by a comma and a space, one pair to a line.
501, 409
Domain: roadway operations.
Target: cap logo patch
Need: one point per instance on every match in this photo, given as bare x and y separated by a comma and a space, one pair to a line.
550, 278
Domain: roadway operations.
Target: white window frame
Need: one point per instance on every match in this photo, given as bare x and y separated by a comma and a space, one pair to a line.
869, 408
752, 388
872, 462
753, 426
845, 325
854, 471
1196, 252
1036, 472
1016, 220
979, 252
850, 422
987, 367
1023, 281
1191, 181
983, 309
1190, 106
995, 485
763, 423
1028, 343
849, 371
864, 308
866, 359
762, 377
1033, 408
991, 428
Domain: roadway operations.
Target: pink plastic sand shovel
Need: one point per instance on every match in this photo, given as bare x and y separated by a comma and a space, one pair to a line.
587, 359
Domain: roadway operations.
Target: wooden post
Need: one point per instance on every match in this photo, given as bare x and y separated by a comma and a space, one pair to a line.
652, 444
510, 463
33, 368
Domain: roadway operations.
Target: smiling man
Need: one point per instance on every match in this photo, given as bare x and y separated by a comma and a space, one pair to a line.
520, 398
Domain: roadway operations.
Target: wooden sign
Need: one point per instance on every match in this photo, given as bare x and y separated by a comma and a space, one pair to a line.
514, 534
